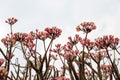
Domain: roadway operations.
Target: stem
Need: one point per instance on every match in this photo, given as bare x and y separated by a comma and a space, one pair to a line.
70, 71
98, 64
29, 73
3, 54
83, 57
35, 54
12, 76
117, 51
18, 72
23, 50
73, 70
114, 67
61, 59
8, 54
47, 69
114, 57
11, 30
44, 45
63, 62
44, 58
46, 50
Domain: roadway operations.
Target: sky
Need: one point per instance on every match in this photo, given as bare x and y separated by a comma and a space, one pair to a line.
64, 14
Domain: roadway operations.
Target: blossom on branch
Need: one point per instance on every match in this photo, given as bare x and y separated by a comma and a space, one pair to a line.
107, 41
8, 40
86, 27
3, 73
1, 61
11, 21
42, 35
54, 32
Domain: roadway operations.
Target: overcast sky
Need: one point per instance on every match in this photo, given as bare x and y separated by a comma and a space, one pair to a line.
65, 14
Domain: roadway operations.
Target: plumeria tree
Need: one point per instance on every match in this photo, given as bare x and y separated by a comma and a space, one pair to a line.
80, 58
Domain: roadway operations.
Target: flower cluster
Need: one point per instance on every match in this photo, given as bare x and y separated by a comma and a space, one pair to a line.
3, 73
107, 41
88, 73
1, 61
11, 21
71, 54
58, 48
8, 40
75, 40
29, 41
42, 35
19, 36
54, 32
86, 27
87, 43
106, 68
53, 56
